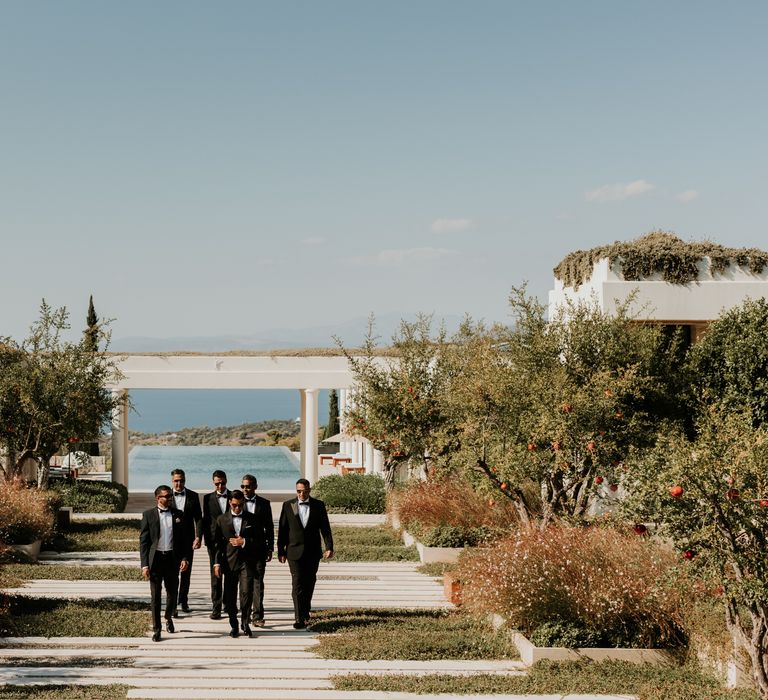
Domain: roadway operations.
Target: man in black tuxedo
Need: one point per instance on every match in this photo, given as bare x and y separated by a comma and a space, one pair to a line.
215, 504
239, 537
262, 508
302, 522
164, 551
188, 502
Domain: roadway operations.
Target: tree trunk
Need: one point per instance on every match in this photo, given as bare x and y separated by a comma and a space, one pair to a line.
752, 641
42, 471
390, 474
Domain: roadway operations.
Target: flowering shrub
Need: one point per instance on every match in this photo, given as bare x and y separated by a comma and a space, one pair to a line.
25, 514
606, 584
451, 513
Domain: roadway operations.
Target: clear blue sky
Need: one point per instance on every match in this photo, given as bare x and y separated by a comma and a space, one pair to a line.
213, 168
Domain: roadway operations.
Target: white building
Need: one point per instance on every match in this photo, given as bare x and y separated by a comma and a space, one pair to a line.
694, 304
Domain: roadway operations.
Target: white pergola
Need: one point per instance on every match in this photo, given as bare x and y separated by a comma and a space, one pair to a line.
308, 374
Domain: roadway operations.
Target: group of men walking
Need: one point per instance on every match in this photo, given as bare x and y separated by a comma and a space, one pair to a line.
237, 529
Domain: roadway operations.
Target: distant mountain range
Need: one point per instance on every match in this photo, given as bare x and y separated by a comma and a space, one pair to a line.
352, 333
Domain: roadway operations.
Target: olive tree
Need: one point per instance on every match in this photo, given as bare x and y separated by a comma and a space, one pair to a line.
53, 392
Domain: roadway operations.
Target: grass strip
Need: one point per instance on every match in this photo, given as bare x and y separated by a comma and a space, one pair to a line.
70, 692
378, 543
62, 572
647, 682
436, 569
67, 662
407, 634
55, 617
91, 535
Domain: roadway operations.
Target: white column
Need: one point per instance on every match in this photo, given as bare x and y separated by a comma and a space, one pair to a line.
303, 435
347, 447
120, 438
378, 462
368, 457
309, 427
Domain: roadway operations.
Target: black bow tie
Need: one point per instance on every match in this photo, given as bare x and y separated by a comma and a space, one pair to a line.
238, 515
303, 503
179, 493
164, 510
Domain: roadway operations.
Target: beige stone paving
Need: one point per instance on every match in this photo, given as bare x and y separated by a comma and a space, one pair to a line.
202, 661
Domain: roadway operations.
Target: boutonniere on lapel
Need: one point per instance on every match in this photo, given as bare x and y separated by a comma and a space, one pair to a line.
178, 520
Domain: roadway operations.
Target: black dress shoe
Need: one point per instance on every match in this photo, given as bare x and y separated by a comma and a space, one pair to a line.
247, 631
234, 633
156, 636
175, 613
215, 616
185, 608
300, 625
169, 626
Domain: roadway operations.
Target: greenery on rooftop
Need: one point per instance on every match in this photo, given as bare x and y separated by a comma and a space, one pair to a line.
662, 253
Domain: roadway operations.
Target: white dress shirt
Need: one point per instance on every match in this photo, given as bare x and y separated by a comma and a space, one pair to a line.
222, 502
165, 544
304, 512
180, 499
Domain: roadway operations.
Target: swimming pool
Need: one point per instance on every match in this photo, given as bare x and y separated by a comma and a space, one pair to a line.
276, 468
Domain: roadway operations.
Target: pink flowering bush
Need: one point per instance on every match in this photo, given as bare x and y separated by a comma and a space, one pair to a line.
451, 513
596, 585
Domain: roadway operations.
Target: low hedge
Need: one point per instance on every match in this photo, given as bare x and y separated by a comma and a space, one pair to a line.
351, 493
451, 535
85, 496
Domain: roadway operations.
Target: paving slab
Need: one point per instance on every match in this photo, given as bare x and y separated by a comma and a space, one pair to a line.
188, 663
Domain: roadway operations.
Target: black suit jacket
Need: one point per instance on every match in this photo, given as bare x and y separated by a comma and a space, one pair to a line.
193, 514
211, 511
149, 537
233, 558
295, 541
263, 513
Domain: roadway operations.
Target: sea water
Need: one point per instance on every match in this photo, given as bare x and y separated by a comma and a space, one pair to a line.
275, 468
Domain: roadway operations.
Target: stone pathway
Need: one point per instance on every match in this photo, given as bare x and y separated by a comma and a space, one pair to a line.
202, 661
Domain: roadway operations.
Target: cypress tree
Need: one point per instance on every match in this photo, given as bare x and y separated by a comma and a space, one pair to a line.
91, 344
92, 328
333, 415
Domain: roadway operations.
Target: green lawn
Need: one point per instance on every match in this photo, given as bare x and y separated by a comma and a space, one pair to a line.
53, 617
13, 575
379, 543
70, 692
113, 535
561, 678
407, 634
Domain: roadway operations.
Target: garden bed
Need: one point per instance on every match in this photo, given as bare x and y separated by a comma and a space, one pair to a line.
432, 555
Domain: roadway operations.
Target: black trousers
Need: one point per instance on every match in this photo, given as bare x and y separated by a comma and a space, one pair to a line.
303, 579
257, 609
216, 585
164, 571
241, 578
184, 579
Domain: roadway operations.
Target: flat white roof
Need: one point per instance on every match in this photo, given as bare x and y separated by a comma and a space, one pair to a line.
657, 300
232, 371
